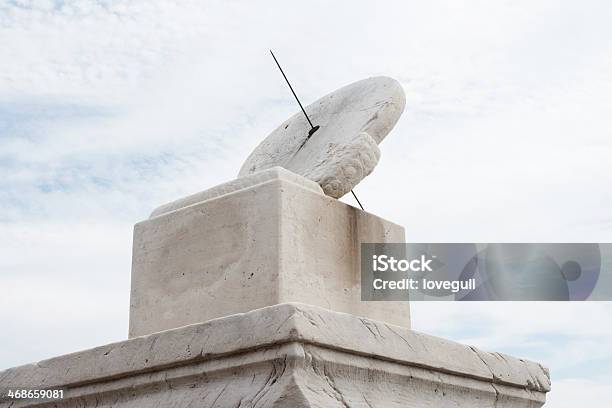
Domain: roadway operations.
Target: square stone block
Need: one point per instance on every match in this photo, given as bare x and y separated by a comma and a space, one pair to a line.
257, 241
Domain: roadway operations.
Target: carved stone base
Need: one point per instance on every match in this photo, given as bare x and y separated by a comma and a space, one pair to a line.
264, 239
288, 355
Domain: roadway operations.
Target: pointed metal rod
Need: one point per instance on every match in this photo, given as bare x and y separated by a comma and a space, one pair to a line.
292, 91
312, 127
358, 202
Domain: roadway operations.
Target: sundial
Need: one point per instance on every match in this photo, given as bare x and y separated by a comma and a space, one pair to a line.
333, 141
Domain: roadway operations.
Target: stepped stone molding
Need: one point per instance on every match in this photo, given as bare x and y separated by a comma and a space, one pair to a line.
287, 355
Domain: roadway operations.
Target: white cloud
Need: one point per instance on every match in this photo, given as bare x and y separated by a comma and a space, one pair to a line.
65, 283
579, 392
110, 108
569, 338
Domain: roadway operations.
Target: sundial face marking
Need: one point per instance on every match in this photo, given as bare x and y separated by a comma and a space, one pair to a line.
350, 123
313, 128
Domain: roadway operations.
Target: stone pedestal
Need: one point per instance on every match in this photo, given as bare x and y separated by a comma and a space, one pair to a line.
248, 295
269, 238
288, 355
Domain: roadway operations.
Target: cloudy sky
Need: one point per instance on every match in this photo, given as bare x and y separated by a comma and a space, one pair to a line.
111, 108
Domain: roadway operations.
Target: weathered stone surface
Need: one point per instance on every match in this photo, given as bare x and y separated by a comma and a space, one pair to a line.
274, 238
353, 120
237, 185
289, 355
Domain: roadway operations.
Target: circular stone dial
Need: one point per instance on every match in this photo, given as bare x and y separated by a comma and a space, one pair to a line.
352, 121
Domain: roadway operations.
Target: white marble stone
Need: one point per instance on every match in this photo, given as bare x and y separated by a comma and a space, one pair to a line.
238, 184
353, 120
271, 238
248, 294
288, 355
